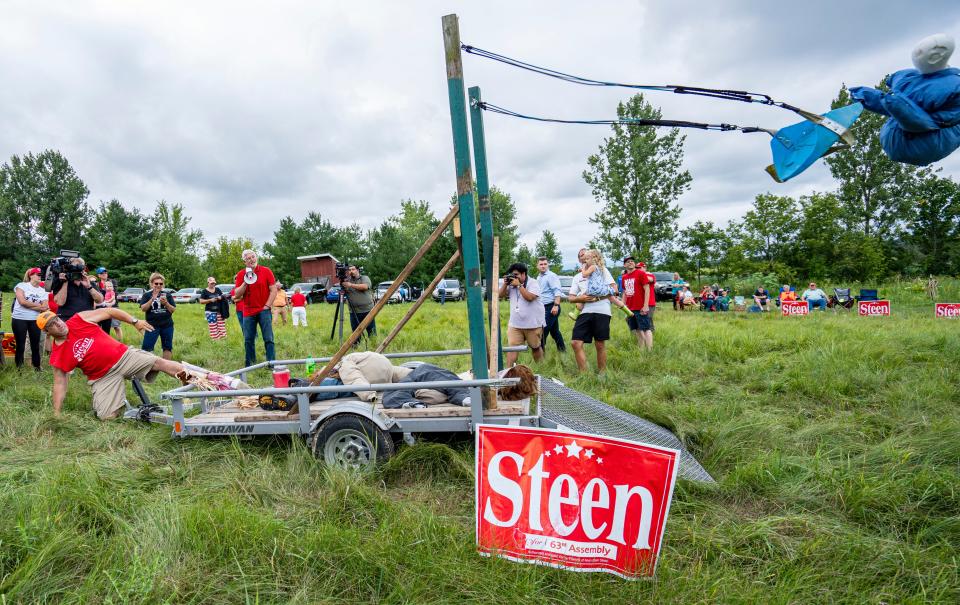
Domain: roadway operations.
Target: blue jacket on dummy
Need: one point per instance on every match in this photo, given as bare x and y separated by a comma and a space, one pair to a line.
924, 110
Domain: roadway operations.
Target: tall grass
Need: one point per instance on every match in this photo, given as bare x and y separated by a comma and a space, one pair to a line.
835, 441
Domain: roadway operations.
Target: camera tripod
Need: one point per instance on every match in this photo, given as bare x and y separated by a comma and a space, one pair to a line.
338, 314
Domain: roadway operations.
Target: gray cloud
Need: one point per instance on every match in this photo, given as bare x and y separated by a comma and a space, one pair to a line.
245, 113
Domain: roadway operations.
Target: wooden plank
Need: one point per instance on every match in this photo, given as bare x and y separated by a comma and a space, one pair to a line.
411, 265
416, 305
493, 348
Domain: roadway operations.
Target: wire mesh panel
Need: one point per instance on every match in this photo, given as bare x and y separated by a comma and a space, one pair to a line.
579, 412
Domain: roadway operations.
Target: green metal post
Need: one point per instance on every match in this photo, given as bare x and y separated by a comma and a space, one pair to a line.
483, 199
468, 221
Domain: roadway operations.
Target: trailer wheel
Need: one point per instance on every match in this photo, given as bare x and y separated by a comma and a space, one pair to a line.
351, 442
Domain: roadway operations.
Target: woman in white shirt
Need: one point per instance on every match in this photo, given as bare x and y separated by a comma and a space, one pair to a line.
31, 301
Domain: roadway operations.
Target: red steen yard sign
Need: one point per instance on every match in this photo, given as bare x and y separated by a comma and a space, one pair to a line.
571, 500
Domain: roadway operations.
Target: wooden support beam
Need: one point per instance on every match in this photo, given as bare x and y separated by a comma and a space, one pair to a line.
493, 351
416, 305
411, 265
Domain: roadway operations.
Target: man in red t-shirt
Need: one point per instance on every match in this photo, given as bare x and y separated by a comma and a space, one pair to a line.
638, 295
80, 343
299, 304
256, 288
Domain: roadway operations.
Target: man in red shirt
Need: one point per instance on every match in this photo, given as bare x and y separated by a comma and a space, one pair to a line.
256, 288
80, 343
299, 303
638, 295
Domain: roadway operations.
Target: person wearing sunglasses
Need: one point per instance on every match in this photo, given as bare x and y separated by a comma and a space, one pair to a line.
159, 308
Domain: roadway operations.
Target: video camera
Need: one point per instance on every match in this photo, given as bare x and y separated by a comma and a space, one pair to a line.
341, 270
65, 263
510, 279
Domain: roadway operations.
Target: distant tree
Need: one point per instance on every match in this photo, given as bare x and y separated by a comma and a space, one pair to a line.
117, 239
548, 246
523, 255
820, 230
637, 177
42, 209
174, 247
934, 224
769, 228
704, 244
223, 259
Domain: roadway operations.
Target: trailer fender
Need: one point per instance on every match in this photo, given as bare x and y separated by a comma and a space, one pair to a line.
358, 409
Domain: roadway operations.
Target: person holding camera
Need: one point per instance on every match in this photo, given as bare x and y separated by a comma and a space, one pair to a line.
31, 300
159, 308
256, 287
526, 312
73, 292
80, 343
359, 291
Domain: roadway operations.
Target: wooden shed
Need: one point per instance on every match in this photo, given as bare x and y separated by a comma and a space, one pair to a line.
318, 268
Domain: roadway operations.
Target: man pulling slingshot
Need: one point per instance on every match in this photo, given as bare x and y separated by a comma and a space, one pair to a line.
80, 343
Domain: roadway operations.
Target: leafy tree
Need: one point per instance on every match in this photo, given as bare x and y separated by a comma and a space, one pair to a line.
174, 246
314, 235
118, 239
637, 176
934, 224
503, 212
523, 255
871, 184
820, 228
769, 228
704, 244
42, 209
548, 246
224, 258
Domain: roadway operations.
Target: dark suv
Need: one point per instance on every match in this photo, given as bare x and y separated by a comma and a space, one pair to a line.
663, 288
313, 292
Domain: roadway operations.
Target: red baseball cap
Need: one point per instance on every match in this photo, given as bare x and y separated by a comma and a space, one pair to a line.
33, 271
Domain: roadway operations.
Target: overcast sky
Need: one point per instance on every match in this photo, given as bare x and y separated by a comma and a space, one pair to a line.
246, 112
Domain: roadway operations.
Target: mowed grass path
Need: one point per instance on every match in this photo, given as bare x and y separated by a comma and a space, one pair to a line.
835, 441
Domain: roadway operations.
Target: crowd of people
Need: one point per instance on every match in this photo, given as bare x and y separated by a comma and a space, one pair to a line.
82, 321
535, 306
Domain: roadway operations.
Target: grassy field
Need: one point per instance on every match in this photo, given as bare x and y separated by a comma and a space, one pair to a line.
835, 441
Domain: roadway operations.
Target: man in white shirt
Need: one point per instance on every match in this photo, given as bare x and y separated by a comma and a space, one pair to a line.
593, 323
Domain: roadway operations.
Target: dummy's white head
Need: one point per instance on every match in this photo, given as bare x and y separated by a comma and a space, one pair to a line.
932, 53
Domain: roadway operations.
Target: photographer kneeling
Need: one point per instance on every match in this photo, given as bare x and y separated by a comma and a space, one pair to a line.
526, 313
73, 292
79, 342
359, 291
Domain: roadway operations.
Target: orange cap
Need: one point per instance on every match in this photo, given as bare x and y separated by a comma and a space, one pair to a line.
45, 318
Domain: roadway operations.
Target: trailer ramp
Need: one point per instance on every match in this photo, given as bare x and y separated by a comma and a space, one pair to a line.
576, 411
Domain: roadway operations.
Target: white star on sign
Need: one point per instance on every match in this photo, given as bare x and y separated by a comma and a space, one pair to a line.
588, 453
599, 460
573, 450
547, 453
558, 449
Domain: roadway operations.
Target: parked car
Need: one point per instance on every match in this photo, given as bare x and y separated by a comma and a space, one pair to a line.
452, 289
314, 292
130, 295
663, 288
225, 289
403, 293
565, 282
187, 295
333, 294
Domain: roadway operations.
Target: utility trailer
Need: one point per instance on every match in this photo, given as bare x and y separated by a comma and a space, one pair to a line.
353, 433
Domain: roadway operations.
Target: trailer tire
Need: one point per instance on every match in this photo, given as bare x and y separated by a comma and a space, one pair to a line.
352, 442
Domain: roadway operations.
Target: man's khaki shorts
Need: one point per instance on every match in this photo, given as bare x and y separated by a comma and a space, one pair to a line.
528, 336
110, 391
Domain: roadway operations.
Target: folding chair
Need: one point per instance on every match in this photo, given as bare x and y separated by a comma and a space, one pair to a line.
867, 295
841, 299
739, 303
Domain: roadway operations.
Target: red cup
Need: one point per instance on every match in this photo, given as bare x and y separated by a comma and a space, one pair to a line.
281, 377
